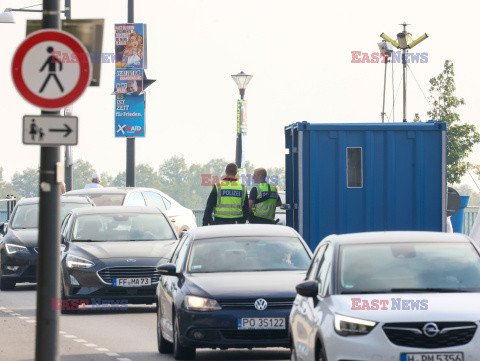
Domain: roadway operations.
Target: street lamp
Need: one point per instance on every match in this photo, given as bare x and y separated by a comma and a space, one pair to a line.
386, 49
404, 42
7, 16
242, 80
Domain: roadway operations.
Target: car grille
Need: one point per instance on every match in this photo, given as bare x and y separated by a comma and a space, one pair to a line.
249, 304
254, 334
411, 335
108, 274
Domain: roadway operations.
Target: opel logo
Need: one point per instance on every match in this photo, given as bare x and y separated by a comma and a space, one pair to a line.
131, 260
260, 304
430, 329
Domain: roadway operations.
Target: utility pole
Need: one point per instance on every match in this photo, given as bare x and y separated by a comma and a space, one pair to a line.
404, 42
68, 148
48, 261
130, 171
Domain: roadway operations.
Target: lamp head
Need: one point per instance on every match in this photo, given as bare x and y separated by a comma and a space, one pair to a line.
7, 17
242, 80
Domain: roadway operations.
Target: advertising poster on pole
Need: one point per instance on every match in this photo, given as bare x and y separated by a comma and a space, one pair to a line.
130, 46
128, 81
129, 116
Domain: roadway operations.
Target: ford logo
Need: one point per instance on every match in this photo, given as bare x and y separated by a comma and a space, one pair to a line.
430, 329
260, 304
131, 260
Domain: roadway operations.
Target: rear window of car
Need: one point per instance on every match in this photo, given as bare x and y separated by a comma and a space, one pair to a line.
107, 199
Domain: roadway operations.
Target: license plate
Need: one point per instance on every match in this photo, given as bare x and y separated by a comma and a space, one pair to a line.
433, 356
132, 282
263, 323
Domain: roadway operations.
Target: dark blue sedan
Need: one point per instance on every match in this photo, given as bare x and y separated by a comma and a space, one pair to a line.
229, 286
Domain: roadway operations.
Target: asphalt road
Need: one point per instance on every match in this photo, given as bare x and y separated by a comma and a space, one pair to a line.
98, 335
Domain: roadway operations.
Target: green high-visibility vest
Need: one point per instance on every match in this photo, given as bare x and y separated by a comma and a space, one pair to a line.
230, 199
265, 209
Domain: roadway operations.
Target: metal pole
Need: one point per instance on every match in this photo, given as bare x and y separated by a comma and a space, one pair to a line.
48, 260
384, 89
404, 61
238, 148
130, 172
68, 148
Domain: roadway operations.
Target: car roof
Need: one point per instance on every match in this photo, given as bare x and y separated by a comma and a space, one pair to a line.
113, 190
397, 236
117, 210
35, 200
242, 230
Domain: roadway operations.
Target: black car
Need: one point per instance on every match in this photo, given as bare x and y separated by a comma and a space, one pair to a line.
229, 286
111, 253
19, 244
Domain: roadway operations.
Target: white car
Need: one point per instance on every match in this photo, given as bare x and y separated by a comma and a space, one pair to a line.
389, 296
182, 218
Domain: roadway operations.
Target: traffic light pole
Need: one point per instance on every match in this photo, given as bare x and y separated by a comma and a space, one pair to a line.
130, 171
48, 260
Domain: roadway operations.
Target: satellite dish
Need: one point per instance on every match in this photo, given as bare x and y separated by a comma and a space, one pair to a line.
453, 202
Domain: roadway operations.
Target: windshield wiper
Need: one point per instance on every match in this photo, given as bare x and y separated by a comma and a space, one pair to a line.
428, 289
352, 292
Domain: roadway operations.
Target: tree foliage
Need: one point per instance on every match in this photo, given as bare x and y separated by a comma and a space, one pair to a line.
461, 137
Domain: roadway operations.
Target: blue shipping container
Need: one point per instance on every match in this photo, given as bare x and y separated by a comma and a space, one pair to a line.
346, 178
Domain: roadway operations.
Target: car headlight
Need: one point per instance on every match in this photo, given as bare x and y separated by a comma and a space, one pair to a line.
78, 262
349, 326
194, 303
14, 248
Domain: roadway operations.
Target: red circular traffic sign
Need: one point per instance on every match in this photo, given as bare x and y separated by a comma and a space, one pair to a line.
51, 69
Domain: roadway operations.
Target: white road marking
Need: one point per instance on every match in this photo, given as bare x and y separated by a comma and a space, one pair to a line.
123, 359
62, 332
24, 318
31, 321
7, 311
90, 345
102, 349
15, 314
112, 354
79, 340
70, 336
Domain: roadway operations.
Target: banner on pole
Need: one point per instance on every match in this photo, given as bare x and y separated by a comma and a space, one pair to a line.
131, 46
129, 116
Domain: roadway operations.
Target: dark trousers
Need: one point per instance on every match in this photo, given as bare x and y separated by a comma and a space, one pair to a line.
219, 220
259, 220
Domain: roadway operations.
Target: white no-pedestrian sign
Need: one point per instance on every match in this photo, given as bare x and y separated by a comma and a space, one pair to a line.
40, 74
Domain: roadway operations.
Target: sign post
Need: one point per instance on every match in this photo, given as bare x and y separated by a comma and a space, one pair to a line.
43, 80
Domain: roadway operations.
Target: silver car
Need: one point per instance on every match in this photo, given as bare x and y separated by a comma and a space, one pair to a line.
396, 296
182, 218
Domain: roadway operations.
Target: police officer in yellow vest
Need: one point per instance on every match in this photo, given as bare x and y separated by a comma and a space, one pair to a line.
263, 199
228, 200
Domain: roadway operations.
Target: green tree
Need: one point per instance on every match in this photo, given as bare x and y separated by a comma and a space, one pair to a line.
82, 173
146, 176
461, 137
26, 183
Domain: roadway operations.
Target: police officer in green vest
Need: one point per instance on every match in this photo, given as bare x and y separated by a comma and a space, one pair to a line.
263, 199
228, 200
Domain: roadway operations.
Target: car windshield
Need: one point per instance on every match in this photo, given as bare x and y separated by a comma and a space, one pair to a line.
246, 254
105, 199
408, 267
122, 227
26, 216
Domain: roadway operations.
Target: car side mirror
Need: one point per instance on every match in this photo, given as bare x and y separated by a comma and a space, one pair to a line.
167, 269
308, 289
182, 233
2, 228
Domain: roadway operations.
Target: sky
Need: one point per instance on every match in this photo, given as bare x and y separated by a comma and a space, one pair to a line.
300, 55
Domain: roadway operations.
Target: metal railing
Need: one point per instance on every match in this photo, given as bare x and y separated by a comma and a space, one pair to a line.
470, 215
6, 207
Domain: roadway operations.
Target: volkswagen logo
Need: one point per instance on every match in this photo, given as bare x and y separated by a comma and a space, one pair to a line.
430, 329
261, 304
131, 260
